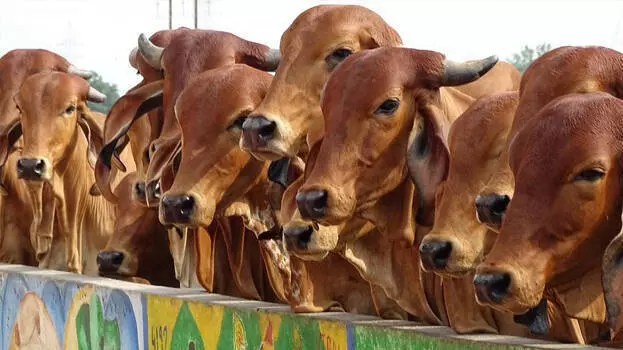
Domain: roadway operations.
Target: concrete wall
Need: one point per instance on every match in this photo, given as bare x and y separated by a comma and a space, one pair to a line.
57, 310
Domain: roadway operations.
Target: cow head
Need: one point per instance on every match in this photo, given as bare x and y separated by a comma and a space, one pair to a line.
561, 71
52, 106
213, 170
139, 246
318, 40
371, 104
457, 241
566, 208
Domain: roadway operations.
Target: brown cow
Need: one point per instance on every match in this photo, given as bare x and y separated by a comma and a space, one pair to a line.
457, 241
564, 70
360, 169
187, 55
314, 44
139, 246
57, 161
565, 210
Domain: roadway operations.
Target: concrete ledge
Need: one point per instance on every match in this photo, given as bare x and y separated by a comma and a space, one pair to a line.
66, 311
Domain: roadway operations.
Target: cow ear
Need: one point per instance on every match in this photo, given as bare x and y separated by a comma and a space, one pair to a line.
93, 133
381, 36
311, 157
7, 142
259, 56
428, 159
612, 281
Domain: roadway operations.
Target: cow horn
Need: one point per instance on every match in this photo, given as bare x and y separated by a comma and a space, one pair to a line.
462, 73
79, 72
133, 58
273, 57
95, 96
149, 51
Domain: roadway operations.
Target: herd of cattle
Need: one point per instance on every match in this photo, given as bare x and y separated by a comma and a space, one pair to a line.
363, 176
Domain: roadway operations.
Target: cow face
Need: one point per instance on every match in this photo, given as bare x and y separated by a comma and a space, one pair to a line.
566, 206
139, 244
52, 107
371, 103
457, 241
213, 170
318, 40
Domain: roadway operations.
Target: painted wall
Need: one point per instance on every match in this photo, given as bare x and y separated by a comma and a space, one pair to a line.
53, 310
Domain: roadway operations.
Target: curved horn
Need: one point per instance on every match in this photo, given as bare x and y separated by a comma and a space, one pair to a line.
466, 72
95, 96
79, 72
150, 52
132, 58
273, 57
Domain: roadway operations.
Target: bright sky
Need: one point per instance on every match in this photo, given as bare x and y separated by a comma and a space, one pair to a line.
99, 34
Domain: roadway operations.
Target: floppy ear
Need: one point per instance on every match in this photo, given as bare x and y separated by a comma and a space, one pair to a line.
93, 133
428, 159
7, 140
612, 280
258, 56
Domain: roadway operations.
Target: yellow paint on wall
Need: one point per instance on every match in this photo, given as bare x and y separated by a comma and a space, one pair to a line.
209, 319
163, 314
82, 297
269, 326
333, 335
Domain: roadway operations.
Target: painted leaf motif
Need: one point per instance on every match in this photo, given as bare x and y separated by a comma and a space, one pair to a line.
186, 334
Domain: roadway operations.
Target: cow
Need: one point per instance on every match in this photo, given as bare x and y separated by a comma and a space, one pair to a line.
316, 42
139, 246
61, 137
564, 70
565, 210
373, 139
15, 67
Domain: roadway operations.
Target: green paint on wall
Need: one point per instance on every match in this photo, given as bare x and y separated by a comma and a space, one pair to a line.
186, 335
241, 325
94, 332
297, 334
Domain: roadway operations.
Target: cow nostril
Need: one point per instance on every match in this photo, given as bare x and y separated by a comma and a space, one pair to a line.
186, 203
312, 204
39, 166
300, 236
139, 188
493, 286
157, 192
435, 254
109, 262
20, 166
498, 207
266, 130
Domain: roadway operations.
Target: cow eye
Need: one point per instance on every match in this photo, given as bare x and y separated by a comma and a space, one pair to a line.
337, 56
153, 148
70, 110
238, 122
590, 175
388, 107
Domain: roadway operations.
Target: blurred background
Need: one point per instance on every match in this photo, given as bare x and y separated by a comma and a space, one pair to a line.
99, 34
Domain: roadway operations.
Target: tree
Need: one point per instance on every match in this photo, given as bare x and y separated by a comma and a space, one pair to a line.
524, 58
110, 90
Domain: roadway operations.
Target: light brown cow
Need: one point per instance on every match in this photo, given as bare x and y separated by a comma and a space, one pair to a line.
360, 169
15, 67
314, 44
564, 70
61, 138
565, 210
139, 245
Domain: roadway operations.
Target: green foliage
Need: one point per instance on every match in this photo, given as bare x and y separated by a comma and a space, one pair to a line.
110, 90
524, 58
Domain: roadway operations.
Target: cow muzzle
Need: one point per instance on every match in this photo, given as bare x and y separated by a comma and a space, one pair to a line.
109, 262
490, 209
35, 169
312, 204
297, 238
434, 254
257, 131
177, 209
492, 288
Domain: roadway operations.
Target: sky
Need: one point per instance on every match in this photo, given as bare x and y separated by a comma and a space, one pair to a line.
99, 34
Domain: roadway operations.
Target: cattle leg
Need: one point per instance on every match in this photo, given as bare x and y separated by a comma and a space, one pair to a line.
386, 308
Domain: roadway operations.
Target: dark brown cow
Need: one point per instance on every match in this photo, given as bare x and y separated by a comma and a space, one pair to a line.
139, 246
314, 44
565, 210
560, 71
